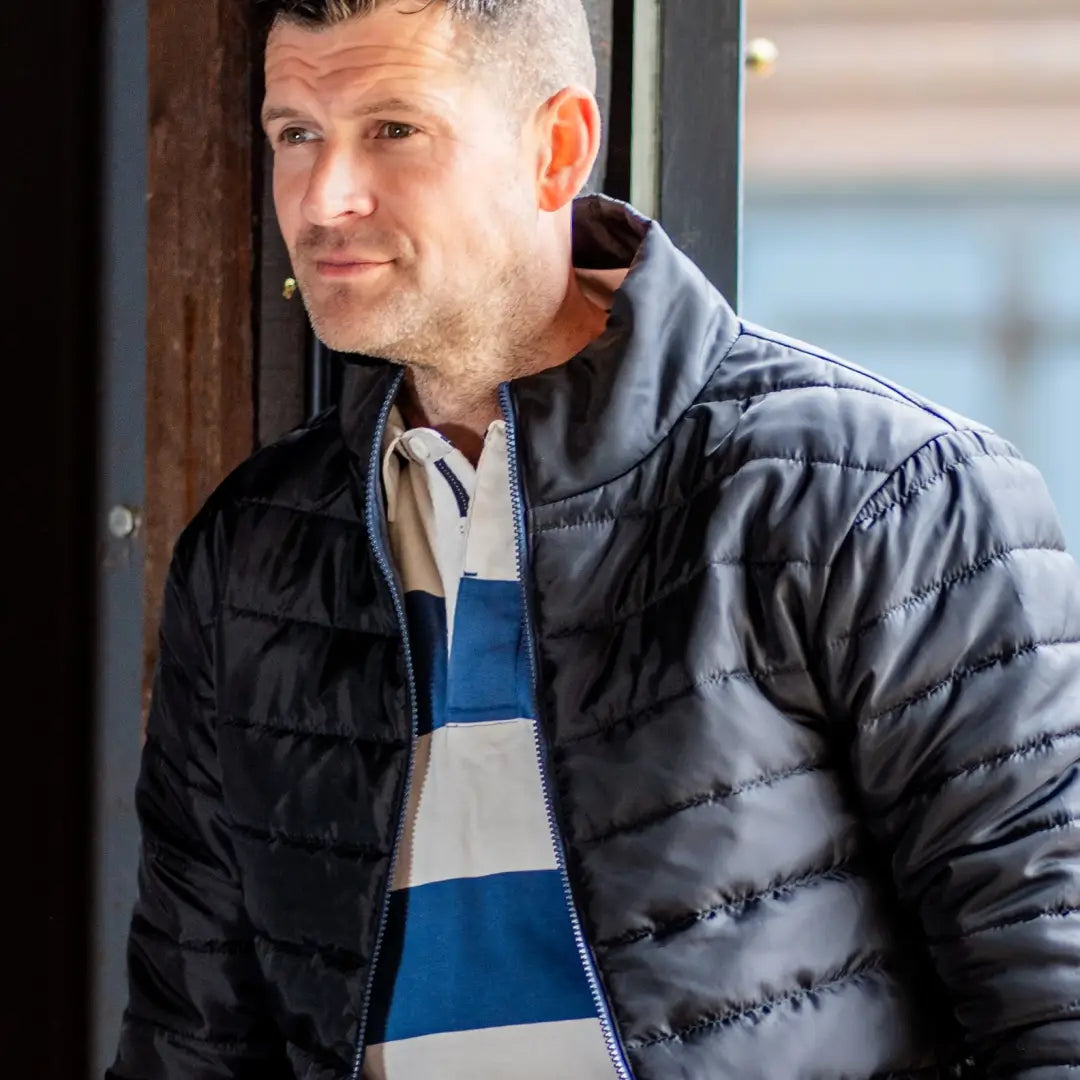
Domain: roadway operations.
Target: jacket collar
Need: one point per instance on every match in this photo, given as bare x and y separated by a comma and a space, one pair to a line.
594, 418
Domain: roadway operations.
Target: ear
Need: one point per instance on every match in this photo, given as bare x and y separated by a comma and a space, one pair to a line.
569, 138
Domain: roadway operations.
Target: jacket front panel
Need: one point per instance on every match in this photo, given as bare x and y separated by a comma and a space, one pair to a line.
313, 746
734, 897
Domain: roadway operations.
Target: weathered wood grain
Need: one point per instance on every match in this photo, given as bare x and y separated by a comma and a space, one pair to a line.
199, 409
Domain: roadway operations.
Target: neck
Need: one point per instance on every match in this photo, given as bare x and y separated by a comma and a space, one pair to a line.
460, 400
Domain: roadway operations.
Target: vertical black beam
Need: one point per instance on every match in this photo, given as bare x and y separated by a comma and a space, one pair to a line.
620, 102
48, 336
281, 326
701, 111
281, 330
599, 14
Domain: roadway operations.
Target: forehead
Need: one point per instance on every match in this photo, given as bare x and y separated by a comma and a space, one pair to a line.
412, 45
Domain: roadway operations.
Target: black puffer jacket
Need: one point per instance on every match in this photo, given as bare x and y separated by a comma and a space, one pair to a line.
808, 656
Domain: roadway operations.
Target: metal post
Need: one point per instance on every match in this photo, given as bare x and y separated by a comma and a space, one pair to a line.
122, 480
700, 113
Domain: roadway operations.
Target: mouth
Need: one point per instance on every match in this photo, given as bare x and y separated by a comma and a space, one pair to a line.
345, 268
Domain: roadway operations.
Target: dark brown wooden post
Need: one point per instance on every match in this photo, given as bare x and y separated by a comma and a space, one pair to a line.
200, 402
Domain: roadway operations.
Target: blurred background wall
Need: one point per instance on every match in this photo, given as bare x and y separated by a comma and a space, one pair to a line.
913, 203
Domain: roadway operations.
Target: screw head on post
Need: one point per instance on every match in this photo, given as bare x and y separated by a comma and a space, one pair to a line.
124, 521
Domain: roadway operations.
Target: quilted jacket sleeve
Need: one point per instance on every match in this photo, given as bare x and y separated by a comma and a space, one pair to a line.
951, 638
194, 1008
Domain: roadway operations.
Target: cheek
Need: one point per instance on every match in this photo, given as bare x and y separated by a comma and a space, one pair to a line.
430, 204
460, 212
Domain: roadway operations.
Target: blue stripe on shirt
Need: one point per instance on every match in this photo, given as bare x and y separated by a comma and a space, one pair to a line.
478, 953
489, 674
489, 677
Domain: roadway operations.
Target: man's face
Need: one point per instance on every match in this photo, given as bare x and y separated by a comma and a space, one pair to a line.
404, 187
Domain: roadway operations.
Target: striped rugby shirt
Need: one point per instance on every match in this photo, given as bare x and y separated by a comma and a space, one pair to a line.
479, 975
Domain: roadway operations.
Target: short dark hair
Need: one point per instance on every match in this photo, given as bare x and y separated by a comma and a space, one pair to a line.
540, 45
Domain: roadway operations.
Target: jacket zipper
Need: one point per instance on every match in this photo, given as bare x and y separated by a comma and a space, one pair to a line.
603, 1009
387, 571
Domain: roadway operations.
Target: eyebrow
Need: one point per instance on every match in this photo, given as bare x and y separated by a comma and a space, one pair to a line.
282, 112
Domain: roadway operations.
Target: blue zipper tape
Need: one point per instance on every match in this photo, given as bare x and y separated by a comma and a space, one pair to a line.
387, 570
603, 1009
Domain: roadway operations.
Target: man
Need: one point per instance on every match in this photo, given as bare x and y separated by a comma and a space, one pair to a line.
607, 687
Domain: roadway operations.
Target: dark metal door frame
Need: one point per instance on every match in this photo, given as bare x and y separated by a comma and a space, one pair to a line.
121, 485
702, 75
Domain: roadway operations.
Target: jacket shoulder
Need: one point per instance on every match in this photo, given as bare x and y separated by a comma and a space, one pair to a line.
306, 470
818, 444
305, 473
800, 402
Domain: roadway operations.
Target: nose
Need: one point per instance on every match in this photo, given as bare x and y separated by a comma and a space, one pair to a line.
339, 187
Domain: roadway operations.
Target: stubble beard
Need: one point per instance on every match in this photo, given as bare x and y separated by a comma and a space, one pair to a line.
348, 322
448, 337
